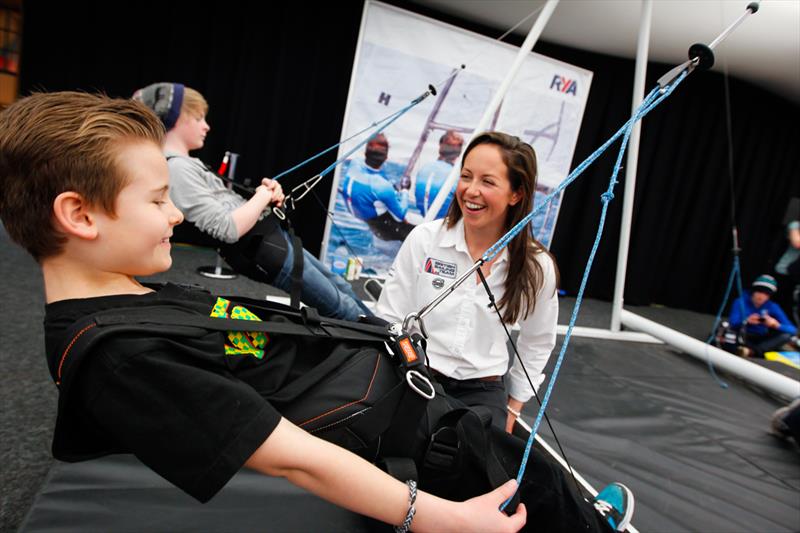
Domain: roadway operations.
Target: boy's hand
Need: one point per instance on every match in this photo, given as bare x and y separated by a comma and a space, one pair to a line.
265, 195
754, 318
483, 512
277, 191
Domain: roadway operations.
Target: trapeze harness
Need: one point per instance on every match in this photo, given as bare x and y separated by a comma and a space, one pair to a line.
400, 422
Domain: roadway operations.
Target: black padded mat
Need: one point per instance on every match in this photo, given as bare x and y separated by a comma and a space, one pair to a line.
698, 457
119, 494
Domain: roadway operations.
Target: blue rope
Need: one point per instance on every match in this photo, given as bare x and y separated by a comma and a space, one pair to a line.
651, 101
735, 274
739, 287
390, 118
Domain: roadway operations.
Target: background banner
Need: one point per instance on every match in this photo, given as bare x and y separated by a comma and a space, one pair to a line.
383, 190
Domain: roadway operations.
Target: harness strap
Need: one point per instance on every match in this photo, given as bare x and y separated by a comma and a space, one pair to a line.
400, 468
177, 321
297, 267
177, 318
460, 431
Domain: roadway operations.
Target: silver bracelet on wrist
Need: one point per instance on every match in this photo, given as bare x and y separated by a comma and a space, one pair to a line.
412, 498
513, 411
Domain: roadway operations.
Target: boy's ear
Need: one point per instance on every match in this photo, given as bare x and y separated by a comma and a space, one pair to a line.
74, 216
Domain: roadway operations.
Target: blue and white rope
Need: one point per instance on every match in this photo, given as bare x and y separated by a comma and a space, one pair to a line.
651, 101
384, 122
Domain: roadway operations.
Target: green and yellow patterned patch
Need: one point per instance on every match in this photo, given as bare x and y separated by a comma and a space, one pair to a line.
240, 342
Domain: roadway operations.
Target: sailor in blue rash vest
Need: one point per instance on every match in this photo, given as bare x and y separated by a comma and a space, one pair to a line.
432, 176
372, 198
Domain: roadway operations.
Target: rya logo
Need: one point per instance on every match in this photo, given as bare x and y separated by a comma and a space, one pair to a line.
562, 84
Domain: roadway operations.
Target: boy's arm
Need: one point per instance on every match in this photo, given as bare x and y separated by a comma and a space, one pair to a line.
736, 318
351, 482
784, 324
246, 215
196, 191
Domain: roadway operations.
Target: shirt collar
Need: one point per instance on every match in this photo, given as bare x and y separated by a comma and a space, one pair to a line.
455, 238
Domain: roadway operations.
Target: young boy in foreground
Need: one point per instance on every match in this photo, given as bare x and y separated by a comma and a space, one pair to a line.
85, 191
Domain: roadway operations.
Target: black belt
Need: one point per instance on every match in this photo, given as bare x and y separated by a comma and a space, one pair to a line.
485, 379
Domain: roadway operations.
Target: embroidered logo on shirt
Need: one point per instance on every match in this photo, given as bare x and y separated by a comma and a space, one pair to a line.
440, 268
437, 283
240, 342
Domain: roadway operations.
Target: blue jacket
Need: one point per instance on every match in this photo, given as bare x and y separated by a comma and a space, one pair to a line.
430, 179
771, 308
369, 194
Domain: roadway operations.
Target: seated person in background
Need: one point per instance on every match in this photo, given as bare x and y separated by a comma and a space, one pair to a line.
761, 322
372, 198
788, 267
86, 192
249, 239
432, 176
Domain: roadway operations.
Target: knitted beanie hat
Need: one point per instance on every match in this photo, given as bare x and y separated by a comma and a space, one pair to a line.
165, 99
766, 284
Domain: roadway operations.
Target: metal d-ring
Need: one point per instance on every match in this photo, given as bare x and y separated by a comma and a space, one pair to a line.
414, 374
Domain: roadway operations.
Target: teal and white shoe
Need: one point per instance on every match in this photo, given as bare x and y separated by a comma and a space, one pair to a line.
615, 504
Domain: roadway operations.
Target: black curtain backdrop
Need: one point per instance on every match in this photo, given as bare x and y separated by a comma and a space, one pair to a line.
277, 85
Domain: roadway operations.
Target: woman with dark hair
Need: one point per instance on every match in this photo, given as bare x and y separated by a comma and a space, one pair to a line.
467, 343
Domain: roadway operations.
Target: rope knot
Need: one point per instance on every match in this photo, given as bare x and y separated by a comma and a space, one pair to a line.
607, 197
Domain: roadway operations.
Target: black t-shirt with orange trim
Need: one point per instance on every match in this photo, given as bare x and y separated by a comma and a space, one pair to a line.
191, 408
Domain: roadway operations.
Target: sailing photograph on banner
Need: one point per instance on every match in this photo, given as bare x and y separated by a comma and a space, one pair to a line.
406, 173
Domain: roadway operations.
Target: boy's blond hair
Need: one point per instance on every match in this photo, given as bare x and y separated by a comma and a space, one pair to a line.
194, 103
66, 141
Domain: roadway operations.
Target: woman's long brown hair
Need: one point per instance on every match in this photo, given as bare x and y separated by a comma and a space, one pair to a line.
525, 274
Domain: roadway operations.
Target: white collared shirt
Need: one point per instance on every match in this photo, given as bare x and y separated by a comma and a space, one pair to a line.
466, 338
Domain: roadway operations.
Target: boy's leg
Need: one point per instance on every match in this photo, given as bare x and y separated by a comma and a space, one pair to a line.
350, 305
769, 342
328, 293
548, 492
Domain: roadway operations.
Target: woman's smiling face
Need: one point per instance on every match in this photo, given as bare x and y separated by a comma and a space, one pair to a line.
484, 191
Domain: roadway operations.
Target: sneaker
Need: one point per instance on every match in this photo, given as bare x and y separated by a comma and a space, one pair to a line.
778, 426
795, 343
744, 351
373, 288
615, 504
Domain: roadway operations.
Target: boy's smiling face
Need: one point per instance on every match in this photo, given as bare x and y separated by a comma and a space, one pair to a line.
135, 241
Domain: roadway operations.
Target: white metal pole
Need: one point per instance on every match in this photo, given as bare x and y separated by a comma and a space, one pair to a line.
744, 369
642, 52
524, 50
